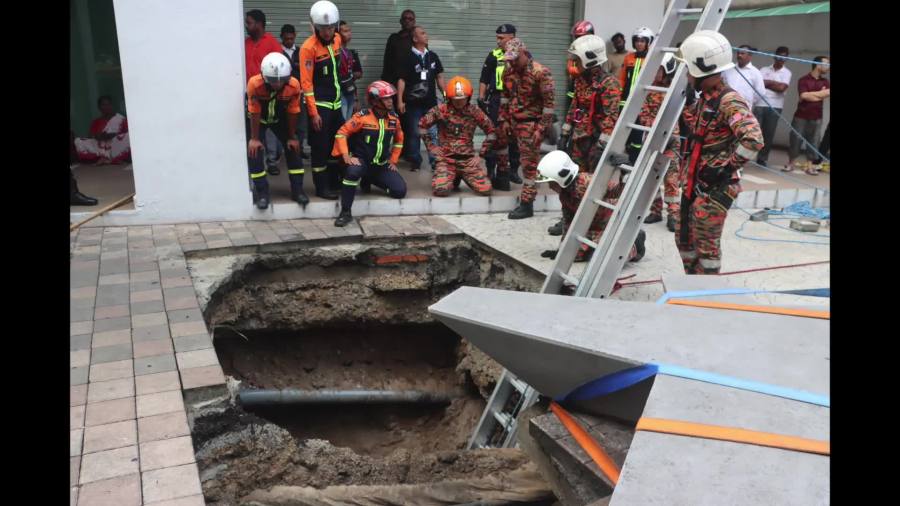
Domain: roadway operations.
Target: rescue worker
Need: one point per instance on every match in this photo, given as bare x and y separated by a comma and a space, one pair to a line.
579, 29
273, 102
490, 87
640, 41
321, 85
723, 134
526, 112
571, 183
454, 153
671, 181
369, 145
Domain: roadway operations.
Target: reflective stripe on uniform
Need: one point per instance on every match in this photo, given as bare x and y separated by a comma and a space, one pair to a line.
688, 255
337, 84
257, 175
378, 147
570, 94
710, 263
504, 101
491, 136
348, 182
547, 110
296, 171
604, 137
398, 145
339, 136
319, 169
745, 152
671, 200
498, 70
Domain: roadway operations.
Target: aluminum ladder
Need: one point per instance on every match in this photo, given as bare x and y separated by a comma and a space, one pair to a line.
497, 426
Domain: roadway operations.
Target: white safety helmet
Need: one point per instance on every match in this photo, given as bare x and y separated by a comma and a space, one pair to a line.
557, 166
276, 68
590, 49
643, 32
669, 64
324, 13
706, 52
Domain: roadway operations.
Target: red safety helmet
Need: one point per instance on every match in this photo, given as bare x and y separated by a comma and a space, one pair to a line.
583, 27
380, 89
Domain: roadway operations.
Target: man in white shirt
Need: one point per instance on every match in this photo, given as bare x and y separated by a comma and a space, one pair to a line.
745, 78
776, 78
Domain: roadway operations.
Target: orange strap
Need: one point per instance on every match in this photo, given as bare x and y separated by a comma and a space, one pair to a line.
806, 313
589, 444
734, 434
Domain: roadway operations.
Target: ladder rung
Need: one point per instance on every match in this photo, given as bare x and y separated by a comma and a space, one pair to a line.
690, 11
639, 127
519, 385
656, 88
669, 49
626, 168
502, 418
603, 203
585, 240
567, 277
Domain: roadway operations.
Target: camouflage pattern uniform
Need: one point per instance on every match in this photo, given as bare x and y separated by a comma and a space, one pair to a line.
455, 156
593, 115
724, 135
570, 198
526, 109
672, 180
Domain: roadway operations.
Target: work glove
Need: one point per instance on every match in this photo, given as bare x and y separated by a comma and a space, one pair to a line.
482, 104
550, 253
716, 175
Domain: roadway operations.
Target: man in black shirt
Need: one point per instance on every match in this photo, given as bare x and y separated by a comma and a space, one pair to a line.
420, 78
489, 87
397, 48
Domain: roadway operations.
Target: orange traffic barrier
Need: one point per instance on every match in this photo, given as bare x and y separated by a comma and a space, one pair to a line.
589, 444
734, 434
806, 313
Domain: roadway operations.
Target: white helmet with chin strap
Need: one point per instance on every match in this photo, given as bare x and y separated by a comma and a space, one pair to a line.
324, 13
706, 52
590, 49
644, 33
558, 167
276, 68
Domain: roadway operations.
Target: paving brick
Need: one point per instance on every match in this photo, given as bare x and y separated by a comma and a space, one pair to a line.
150, 306
174, 272
78, 375
109, 436
100, 391
160, 382
79, 328
112, 353
114, 279
82, 279
171, 483
191, 343
146, 295
149, 320
87, 292
140, 267
158, 403
81, 303
197, 358
199, 377
164, 426
112, 295
109, 324
81, 342
109, 464
150, 333
110, 338
143, 286
89, 266
75, 442
112, 370
153, 347
74, 469
166, 453
107, 312
119, 491
117, 410
154, 364
188, 328
114, 266
178, 292
80, 358
181, 303
77, 394
194, 500
185, 315
76, 417
82, 314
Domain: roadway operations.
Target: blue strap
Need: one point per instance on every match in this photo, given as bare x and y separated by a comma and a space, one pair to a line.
610, 383
812, 292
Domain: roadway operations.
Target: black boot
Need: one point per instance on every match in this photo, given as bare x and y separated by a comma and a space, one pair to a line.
262, 203
653, 218
525, 210
343, 219
556, 229
76, 198
273, 170
639, 246
300, 197
514, 177
501, 182
670, 222
323, 188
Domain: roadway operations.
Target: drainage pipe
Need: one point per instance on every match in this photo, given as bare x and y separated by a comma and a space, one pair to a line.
252, 398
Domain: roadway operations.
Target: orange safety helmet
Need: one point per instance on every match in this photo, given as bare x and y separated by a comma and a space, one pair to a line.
380, 89
458, 87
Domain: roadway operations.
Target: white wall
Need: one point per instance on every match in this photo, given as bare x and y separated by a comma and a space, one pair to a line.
185, 116
611, 16
807, 36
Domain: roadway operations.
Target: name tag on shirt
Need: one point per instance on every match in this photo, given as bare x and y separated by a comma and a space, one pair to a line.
423, 75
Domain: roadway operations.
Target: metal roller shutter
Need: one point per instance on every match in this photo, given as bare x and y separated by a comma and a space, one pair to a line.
461, 32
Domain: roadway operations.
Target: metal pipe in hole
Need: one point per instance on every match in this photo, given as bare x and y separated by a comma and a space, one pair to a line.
251, 398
